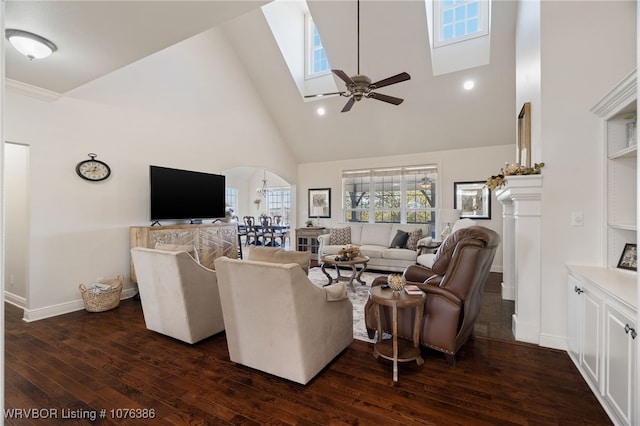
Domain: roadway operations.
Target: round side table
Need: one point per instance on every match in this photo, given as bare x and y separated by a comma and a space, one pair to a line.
398, 349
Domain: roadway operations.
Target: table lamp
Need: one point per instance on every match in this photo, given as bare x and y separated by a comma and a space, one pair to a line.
447, 217
317, 212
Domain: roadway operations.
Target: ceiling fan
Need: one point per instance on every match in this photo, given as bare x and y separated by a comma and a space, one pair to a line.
360, 86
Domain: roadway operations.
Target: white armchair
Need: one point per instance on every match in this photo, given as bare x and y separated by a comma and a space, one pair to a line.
278, 321
179, 296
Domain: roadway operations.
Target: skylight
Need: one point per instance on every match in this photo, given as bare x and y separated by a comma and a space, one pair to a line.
317, 63
289, 21
459, 34
457, 20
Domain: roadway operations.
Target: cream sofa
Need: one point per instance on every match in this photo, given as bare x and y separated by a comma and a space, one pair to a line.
374, 240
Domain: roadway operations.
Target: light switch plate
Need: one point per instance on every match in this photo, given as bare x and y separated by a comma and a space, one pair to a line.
577, 219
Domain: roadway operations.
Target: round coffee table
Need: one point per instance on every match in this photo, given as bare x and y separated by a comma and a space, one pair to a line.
353, 263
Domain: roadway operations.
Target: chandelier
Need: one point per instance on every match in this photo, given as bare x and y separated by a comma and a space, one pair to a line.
264, 191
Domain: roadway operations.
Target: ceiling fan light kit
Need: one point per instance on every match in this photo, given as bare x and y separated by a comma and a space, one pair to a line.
360, 86
30, 45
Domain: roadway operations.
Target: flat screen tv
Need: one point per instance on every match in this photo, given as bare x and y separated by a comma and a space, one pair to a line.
183, 194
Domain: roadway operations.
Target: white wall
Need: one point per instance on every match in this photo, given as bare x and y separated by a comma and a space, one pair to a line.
149, 112
474, 164
564, 67
16, 219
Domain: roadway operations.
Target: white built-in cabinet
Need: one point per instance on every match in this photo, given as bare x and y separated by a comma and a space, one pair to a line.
618, 114
602, 336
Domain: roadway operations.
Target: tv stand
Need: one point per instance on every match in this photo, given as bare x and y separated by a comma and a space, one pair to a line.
211, 241
155, 222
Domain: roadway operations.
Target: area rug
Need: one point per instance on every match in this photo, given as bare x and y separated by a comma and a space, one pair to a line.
358, 299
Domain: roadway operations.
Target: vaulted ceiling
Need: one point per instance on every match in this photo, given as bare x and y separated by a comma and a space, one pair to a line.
96, 38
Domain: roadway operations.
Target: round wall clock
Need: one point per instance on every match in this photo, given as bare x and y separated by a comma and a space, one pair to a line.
93, 170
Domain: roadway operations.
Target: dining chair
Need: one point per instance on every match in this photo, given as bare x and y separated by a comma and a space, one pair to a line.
268, 233
281, 231
251, 230
242, 232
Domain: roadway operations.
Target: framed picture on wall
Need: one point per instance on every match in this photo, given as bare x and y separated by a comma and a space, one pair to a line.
524, 135
629, 258
472, 199
320, 202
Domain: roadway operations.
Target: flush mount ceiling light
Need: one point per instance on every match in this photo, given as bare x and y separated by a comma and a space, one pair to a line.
30, 45
468, 85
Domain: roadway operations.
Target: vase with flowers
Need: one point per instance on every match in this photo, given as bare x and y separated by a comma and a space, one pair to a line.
396, 282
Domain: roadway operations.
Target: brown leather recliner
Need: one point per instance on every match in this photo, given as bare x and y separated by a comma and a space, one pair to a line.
454, 286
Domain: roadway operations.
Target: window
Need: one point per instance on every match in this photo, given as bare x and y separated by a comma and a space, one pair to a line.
456, 20
231, 200
316, 58
279, 203
393, 195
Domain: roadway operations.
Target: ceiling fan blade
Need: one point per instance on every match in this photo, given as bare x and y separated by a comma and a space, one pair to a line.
319, 95
343, 76
386, 98
403, 76
348, 105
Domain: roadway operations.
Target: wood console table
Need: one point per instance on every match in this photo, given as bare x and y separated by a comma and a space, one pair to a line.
307, 239
211, 241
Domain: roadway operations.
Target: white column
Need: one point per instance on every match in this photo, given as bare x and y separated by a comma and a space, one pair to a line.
508, 251
522, 206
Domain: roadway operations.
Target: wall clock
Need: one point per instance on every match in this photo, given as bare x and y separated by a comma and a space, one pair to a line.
93, 170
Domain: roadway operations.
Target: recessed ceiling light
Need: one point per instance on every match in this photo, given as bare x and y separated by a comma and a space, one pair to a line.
468, 85
30, 45
321, 111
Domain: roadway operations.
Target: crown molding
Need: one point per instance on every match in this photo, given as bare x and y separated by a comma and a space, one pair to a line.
623, 93
30, 90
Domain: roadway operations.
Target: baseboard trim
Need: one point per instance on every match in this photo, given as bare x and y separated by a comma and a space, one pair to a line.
553, 342
31, 315
508, 293
523, 332
15, 300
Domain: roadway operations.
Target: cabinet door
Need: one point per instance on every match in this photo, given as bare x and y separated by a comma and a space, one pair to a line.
620, 362
574, 317
591, 336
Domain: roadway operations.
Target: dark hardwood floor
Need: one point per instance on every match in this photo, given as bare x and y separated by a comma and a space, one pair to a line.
95, 361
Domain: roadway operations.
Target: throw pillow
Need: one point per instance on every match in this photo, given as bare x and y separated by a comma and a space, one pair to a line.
400, 240
414, 236
339, 236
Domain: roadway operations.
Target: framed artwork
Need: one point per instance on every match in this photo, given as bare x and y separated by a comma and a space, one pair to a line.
629, 258
524, 135
320, 202
472, 199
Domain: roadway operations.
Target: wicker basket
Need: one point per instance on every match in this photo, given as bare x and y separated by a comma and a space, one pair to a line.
103, 300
